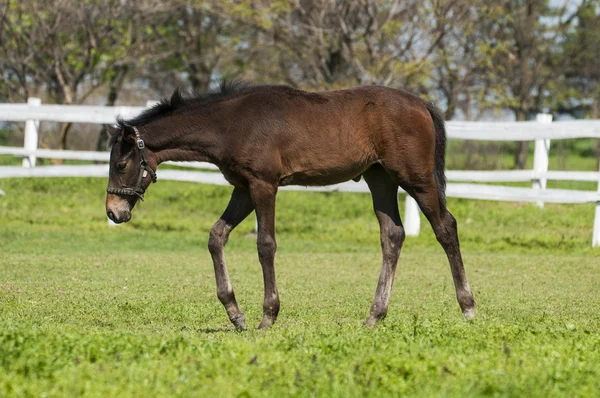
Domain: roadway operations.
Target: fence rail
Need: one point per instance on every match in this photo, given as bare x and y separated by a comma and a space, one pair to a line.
91, 156
542, 131
486, 131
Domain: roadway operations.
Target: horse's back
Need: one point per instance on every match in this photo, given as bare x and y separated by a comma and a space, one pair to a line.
328, 137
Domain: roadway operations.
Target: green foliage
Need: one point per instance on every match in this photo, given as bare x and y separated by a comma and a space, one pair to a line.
131, 310
4, 136
470, 55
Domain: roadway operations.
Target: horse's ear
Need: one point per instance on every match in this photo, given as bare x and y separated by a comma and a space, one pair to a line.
111, 130
129, 134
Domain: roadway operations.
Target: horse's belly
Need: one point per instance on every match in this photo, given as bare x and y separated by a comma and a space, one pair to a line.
320, 177
326, 159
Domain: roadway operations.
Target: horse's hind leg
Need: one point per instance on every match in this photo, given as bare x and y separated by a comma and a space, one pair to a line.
239, 207
384, 192
446, 231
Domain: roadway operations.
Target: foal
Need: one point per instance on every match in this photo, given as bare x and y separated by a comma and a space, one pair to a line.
264, 137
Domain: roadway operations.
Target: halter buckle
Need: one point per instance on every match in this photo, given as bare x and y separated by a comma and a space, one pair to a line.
140, 144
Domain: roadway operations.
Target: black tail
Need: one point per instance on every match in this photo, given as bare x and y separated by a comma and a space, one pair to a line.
440, 153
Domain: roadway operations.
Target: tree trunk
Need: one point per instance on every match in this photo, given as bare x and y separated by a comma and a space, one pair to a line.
467, 110
521, 147
68, 97
451, 107
102, 142
200, 76
62, 141
64, 135
116, 83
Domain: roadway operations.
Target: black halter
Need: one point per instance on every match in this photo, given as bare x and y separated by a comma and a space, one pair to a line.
145, 169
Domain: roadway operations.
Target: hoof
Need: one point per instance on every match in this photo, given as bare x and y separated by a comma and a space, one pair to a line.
469, 314
266, 323
374, 320
239, 322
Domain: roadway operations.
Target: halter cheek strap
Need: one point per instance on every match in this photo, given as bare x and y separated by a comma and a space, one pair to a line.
145, 169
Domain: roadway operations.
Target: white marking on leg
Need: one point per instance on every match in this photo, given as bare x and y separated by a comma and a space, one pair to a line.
469, 314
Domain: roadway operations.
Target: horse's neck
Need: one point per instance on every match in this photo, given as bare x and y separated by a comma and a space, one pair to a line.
179, 155
184, 143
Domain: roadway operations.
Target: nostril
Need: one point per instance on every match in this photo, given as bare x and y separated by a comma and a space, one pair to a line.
110, 215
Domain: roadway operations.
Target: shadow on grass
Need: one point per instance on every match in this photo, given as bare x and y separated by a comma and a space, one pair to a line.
218, 330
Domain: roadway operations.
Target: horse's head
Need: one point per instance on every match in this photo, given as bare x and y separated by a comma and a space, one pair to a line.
131, 172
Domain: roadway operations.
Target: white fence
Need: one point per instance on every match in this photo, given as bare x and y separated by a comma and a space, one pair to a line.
542, 131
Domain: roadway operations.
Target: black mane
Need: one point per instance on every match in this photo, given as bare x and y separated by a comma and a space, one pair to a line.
179, 101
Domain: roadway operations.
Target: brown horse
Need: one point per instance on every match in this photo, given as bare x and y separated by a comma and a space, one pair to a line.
264, 137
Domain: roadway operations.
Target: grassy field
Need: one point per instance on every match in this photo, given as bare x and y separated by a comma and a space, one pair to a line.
132, 310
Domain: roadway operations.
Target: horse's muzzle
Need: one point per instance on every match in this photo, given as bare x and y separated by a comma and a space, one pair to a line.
118, 209
120, 218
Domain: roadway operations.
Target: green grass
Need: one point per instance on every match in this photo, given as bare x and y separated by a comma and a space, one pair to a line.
132, 310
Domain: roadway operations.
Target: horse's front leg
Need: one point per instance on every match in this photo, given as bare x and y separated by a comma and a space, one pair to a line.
239, 207
263, 197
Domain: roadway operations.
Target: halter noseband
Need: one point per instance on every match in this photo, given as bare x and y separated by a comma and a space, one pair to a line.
145, 169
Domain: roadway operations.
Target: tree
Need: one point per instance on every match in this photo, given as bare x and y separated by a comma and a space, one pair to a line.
579, 57
322, 43
457, 63
581, 53
194, 41
523, 39
68, 48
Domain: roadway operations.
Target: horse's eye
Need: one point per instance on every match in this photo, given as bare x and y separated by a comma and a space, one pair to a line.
121, 166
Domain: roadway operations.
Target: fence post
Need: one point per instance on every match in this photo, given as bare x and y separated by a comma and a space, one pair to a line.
412, 218
540, 156
596, 233
31, 134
